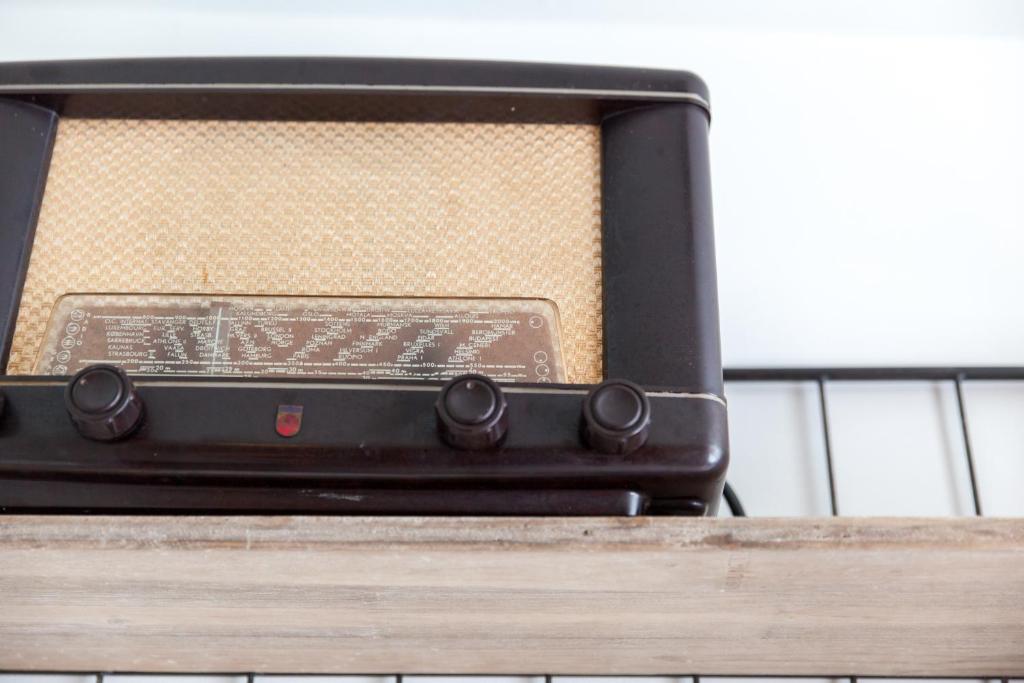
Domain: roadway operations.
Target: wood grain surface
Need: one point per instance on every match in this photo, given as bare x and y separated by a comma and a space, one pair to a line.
923, 597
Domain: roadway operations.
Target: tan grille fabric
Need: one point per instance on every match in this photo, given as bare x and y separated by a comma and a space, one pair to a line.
322, 208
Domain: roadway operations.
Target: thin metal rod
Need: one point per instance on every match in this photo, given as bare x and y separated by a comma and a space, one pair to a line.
968, 451
823, 402
936, 374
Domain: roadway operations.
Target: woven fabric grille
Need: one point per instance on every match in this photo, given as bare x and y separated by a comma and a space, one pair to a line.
322, 208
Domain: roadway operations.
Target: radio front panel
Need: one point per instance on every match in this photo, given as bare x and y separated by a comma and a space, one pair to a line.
357, 286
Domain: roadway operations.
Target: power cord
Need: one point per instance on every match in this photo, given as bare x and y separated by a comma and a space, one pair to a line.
733, 501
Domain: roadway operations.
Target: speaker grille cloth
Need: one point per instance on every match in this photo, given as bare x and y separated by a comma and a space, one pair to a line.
322, 208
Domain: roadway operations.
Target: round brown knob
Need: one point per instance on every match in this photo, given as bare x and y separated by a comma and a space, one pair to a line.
616, 417
102, 403
472, 413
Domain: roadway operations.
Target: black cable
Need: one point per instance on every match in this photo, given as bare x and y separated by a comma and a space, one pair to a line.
733, 501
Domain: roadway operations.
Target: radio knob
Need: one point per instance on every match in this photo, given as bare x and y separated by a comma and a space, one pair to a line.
616, 417
102, 403
472, 413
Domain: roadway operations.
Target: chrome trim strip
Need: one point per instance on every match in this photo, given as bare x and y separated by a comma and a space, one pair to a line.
227, 384
353, 87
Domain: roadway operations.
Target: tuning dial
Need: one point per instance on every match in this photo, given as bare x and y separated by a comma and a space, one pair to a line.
472, 413
616, 417
102, 403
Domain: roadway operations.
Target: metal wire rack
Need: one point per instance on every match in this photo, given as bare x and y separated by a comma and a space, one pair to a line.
398, 678
822, 377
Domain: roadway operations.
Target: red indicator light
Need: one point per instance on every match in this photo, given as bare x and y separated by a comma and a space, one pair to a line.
289, 420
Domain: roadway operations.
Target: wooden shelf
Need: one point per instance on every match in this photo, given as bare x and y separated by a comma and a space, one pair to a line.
922, 597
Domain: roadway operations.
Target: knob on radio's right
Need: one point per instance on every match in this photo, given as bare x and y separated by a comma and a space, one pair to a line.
616, 417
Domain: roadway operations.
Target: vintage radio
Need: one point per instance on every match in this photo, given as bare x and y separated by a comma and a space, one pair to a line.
357, 286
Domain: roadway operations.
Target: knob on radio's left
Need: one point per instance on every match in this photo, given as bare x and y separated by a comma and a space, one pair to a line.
103, 403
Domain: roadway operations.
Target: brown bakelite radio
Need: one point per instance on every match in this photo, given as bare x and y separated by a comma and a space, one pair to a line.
357, 286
